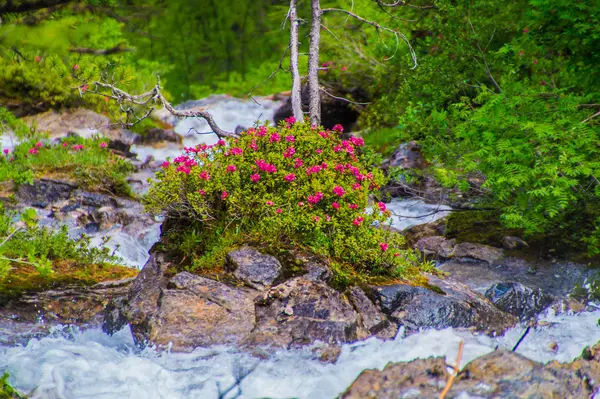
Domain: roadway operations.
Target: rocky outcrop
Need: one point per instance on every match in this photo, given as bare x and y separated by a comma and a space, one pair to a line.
185, 311
451, 304
500, 374
518, 299
253, 267
406, 156
442, 247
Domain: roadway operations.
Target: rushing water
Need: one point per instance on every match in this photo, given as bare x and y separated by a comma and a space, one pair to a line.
92, 365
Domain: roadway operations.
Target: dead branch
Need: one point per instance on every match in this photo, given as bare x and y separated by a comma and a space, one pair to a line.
119, 48
591, 117
155, 96
485, 64
396, 33
342, 98
456, 370
296, 98
398, 3
314, 105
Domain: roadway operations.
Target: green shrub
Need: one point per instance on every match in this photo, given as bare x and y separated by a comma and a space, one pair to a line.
6, 391
291, 186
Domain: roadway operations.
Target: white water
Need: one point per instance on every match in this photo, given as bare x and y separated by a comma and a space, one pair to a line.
410, 212
92, 365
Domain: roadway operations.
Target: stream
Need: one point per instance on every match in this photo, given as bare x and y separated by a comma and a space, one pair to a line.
72, 363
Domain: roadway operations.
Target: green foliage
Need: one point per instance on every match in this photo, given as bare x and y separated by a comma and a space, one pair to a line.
87, 161
291, 186
6, 391
29, 244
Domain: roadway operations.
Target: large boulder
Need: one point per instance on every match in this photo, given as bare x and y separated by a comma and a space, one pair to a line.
406, 156
445, 248
185, 311
518, 299
500, 374
451, 304
253, 267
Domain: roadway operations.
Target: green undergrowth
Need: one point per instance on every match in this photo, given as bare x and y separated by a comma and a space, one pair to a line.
34, 258
283, 188
87, 162
6, 391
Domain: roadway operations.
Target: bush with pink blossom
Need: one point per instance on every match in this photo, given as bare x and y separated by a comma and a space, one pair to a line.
272, 186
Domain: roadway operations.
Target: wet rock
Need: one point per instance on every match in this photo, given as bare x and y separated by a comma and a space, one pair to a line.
453, 305
300, 311
510, 243
406, 156
316, 271
500, 374
413, 234
255, 268
448, 248
518, 299
44, 192
372, 318
196, 311
95, 200
157, 135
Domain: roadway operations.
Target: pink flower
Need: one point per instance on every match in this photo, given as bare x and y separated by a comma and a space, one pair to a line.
165, 164
236, 151
39, 144
103, 145
184, 168
37, 58
275, 137
255, 177
318, 150
300, 203
316, 218
314, 199
327, 217
65, 144
525, 30
358, 221
352, 206
33, 151
337, 148
313, 170
335, 205
231, 168
290, 177
357, 141
360, 177
76, 66
289, 139
204, 175
290, 120
298, 163
84, 88
339, 191
253, 145
224, 195
340, 168
384, 246
338, 128
289, 152
521, 53
78, 147
396, 254
270, 203
325, 135
279, 210
344, 68
262, 131
535, 61
356, 186
381, 206
543, 83
324, 165
6, 151
202, 192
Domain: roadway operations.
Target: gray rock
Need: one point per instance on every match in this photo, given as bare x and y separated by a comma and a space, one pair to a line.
407, 156
454, 305
448, 248
497, 375
510, 243
44, 192
518, 299
372, 318
255, 268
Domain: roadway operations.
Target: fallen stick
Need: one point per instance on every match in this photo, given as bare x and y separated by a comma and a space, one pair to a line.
456, 370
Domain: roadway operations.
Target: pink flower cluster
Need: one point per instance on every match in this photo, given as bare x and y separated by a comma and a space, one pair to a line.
314, 199
339, 191
266, 167
289, 152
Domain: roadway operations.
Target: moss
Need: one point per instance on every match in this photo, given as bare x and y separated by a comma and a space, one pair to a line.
6, 391
25, 278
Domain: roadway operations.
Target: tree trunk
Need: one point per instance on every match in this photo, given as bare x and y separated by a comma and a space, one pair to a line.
314, 105
296, 99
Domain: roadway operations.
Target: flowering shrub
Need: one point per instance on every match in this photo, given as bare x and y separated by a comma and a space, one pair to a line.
292, 185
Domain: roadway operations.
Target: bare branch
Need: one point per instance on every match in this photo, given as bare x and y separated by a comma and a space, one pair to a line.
591, 117
119, 48
342, 98
402, 3
485, 64
397, 34
155, 96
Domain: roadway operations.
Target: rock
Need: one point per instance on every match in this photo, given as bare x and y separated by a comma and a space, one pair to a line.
454, 305
333, 111
80, 121
499, 374
413, 234
156, 135
445, 248
44, 192
95, 200
255, 268
518, 299
510, 243
372, 318
318, 313
406, 156
196, 311
316, 271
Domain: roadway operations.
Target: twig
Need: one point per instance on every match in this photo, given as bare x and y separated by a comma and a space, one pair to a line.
119, 48
342, 98
10, 236
514, 349
591, 117
456, 370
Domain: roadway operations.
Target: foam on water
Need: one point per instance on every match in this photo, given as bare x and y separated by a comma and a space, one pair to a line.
410, 212
92, 365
